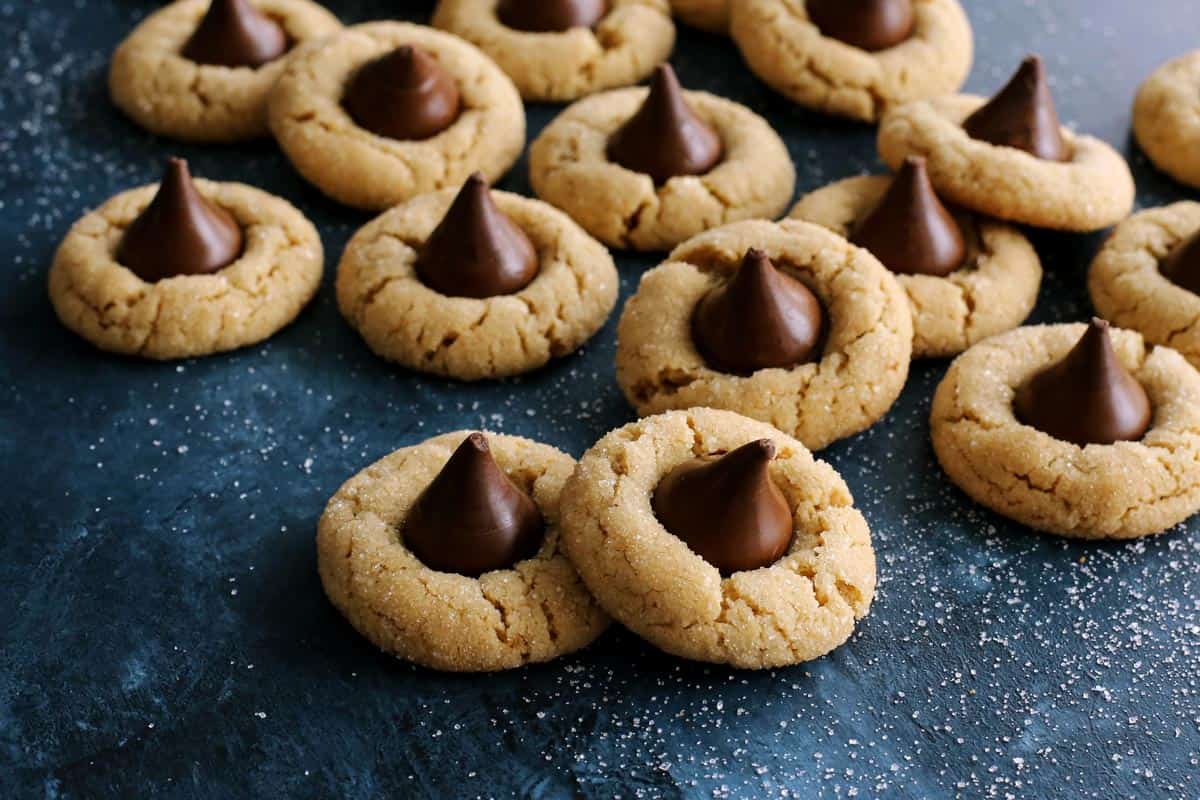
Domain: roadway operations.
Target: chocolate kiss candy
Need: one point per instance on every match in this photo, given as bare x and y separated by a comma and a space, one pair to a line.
472, 518
761, 318
1021, 115
476, 250
180, 232
665, 138
548, 16
235, 34
910, 230
727, 508
1088, 397
865, 24
1182, 265
403, 95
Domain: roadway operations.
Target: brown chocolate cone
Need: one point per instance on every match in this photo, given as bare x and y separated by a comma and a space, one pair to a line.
761, 318
403, 95
867, 24
727, 508
1088, 397
1022, 115
1182, 265
233, 33
472, 518
549, 16
180, 232
665, 138
476, 250
910, 231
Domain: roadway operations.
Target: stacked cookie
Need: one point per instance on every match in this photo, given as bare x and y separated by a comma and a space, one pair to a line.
706, 527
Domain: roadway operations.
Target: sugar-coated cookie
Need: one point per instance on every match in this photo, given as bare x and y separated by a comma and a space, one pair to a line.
1166, 118
797, 608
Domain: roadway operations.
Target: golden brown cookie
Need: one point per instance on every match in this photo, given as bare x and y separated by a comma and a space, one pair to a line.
1166, 118
403, 320
534, 611
992, 292
1091, 190
187, 315
355, 166
799, 608
708, 15
866, 354
569, 168
784, 48
170, 95
631, 39
1118, 491
1129, 289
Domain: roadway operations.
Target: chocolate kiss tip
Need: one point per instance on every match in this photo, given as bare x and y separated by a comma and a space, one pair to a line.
870, 25
727, 509
180, 232
477, 250
1088, 397
472, 518
761, 318
1021, 115
234, 33
550, 16
664, 138
910, 231
404, 94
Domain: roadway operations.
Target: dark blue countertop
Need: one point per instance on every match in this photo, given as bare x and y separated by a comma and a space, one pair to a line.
165, 634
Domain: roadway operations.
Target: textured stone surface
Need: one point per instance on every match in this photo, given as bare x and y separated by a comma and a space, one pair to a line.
166, 633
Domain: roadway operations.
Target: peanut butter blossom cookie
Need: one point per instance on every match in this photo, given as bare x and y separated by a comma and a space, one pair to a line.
1009, 158
786, 323
559, 50
646, 169
185, 268
709, 15
201, 71
448, 554
1166, 118
475, 285
967, 277
1147, 277
855, 58
386, 111
718, 538
1073, 429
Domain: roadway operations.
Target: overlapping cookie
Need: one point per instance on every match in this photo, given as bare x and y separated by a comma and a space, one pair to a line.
967, 276
201, 71
647, 169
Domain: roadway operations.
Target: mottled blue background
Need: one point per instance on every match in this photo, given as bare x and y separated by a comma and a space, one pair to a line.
164, 631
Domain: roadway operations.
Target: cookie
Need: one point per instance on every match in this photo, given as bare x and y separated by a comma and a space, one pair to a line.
363, 169
707, 15
863, 362
570, 167
1091, 190
783, 46
168, 94
1127, 283
993, 291
798, 608
469, 338
1119, 491
533, 611
630, 39
1166, 118
277, 272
